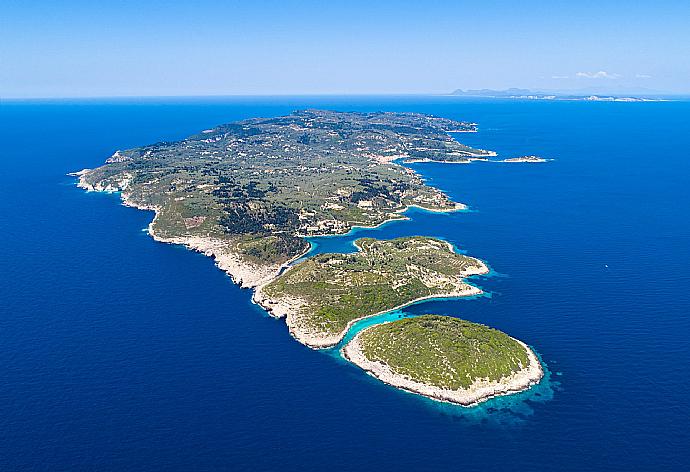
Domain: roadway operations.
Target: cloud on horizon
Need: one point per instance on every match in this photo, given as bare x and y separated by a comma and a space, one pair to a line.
602, 74
559, 77
643, 76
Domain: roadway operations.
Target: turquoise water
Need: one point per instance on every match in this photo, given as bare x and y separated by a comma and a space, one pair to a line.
514, 407
121, 353
345, 244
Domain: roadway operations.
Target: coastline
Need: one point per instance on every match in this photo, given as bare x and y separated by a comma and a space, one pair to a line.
256, 277
478, 392
242, 273
470, 159
510, 160
456, 208
286, 307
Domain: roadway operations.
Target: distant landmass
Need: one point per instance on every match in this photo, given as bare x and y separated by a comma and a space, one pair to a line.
583, 95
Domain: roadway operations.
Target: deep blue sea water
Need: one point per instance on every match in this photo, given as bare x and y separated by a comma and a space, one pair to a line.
121, 353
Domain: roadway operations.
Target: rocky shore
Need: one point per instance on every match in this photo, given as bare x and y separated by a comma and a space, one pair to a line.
243, 273
480, 390
257, 276
290, 308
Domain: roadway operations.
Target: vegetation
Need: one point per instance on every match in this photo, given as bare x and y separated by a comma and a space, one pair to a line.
443, 351
261, 185
339, 288
276, 179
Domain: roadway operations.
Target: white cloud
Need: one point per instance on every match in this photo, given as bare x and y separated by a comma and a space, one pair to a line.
602, 74
643, 76
559, 76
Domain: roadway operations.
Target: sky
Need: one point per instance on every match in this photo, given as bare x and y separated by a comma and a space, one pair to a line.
72, 48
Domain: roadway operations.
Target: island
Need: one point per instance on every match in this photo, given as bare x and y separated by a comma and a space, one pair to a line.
322, 296
445, 358
567, 95
250, 193
247, 192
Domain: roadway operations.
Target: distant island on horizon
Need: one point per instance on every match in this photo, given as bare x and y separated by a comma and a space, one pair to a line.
572, 95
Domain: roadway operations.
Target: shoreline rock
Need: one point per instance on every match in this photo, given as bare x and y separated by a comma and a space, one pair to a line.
288, 308
480, 390
255, 276
242, 273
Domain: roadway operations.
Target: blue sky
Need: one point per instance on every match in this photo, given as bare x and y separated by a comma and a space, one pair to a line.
124, 48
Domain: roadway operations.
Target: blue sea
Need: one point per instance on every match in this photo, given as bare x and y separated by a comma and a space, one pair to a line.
121, 353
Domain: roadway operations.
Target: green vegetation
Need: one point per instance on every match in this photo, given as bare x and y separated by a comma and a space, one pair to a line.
260, 184
443, 351
335, 289
249, 192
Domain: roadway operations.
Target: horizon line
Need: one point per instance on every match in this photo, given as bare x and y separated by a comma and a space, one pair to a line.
325, 94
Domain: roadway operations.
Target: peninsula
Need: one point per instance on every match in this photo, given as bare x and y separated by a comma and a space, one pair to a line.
532, 159
248, 194
321, 297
